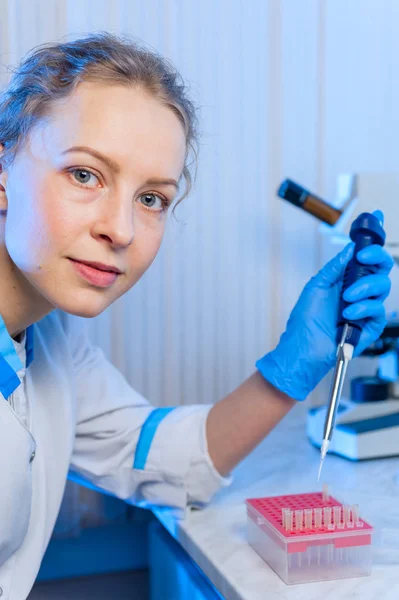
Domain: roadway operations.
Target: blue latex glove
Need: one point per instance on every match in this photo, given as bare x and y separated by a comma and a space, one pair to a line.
307, 348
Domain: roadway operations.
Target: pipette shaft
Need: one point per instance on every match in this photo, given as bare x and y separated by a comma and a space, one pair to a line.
344, 355
365, 231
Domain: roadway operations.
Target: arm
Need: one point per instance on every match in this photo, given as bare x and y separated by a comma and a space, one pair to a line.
304, 355
246, 416
125, 447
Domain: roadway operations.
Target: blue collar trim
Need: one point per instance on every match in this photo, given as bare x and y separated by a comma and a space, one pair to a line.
10, 362
9, 380
29, 345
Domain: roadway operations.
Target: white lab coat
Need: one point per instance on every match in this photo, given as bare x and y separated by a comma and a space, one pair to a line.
74, 412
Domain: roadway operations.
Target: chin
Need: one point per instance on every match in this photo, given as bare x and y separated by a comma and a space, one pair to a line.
87, 307
87, 313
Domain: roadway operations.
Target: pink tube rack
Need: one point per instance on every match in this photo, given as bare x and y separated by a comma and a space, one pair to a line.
337, 546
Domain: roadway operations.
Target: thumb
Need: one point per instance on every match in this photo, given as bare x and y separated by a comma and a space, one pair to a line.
380, 216
334, 270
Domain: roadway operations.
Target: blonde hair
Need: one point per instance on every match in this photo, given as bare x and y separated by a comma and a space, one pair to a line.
51, 72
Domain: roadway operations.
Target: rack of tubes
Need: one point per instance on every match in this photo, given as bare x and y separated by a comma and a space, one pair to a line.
310, 537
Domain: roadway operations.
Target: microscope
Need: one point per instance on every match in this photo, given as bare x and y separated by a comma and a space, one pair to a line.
367, 421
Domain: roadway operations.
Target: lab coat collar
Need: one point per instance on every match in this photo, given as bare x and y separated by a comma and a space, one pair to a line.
10, 363
29, 345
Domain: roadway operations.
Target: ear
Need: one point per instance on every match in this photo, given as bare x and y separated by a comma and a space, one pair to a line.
3, 183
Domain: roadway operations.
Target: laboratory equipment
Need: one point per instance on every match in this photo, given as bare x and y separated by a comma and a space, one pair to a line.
366, 231
309, 202
310, 537
367, 420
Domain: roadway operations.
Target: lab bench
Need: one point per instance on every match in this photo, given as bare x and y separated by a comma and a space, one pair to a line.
206, 556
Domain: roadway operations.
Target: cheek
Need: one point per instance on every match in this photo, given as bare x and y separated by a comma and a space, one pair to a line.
144, 249
25, 232
34, 225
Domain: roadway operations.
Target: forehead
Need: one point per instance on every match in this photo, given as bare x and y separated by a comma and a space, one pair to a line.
125, 123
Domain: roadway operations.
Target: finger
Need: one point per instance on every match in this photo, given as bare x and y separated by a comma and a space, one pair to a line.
376, 255
371, 331
334, 270
380, 216
369, 286
364, 310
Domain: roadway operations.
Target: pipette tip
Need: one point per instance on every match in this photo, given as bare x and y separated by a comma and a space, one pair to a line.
320, 468
323, 452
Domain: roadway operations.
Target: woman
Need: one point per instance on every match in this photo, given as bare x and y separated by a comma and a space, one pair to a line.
94, 140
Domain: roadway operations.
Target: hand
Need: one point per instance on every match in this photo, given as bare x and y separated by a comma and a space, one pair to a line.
307, 348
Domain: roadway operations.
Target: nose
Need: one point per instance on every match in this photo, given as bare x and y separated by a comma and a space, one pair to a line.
115, 220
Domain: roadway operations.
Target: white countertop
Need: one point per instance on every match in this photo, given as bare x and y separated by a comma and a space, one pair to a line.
285, 462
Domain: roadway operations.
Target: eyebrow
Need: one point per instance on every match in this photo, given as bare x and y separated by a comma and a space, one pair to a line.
116, 168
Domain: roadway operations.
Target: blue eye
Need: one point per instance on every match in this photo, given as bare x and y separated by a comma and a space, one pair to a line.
83, 177
153, 201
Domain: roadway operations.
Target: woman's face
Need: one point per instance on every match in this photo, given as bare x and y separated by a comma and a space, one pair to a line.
92, 183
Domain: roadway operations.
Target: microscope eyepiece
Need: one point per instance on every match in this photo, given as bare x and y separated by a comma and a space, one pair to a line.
301, 197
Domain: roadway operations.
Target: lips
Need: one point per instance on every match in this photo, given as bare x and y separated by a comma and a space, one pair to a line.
99, 266
102, 278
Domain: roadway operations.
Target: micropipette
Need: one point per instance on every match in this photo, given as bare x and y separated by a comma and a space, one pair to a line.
365, 231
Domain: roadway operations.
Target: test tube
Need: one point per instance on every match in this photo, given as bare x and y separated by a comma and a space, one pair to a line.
350, 523
327, 516
318, 517
326, 493
337, 516
341, 523
298, 520
288, 519
346, 514
283, 517
308, 518
356, 515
